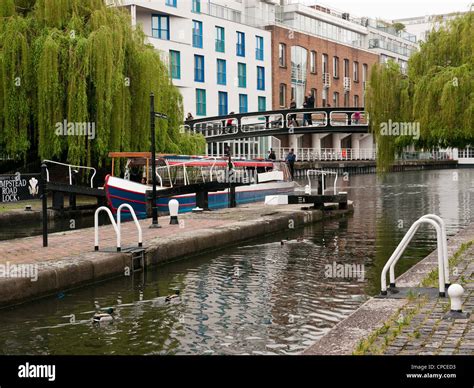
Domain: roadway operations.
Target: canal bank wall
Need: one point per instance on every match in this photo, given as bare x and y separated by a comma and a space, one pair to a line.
70, 260
32, 216
356, 167
371, 317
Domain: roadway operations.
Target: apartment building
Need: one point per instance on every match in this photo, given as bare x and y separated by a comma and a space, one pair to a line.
219, 63
421, 26
255, 55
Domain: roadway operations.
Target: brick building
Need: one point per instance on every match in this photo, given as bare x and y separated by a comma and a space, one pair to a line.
334, 73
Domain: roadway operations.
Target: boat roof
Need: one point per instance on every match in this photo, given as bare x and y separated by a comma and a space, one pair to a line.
194, 160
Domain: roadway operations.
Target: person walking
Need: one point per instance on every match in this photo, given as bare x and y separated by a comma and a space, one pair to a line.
292, 118
290, 159
308, 103
356, 117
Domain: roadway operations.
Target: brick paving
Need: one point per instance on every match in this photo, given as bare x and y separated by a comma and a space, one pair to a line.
429, 332
77, 242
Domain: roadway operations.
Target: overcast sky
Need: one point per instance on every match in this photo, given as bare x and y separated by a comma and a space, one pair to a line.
395, 9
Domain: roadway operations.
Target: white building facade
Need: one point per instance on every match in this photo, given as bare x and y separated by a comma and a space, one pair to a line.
220, 64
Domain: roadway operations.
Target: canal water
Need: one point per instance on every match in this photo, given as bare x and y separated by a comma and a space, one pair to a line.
276, 295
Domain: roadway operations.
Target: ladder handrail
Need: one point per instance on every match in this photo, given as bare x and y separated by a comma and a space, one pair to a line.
444, 248
445, 243
442, 261
96, 226
119, 223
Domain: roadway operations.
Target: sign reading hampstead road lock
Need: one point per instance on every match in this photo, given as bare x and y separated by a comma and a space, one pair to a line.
19, 187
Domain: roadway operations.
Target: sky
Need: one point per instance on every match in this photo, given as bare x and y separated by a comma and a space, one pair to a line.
395, 9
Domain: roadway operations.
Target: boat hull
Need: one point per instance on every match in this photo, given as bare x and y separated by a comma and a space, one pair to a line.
119, 191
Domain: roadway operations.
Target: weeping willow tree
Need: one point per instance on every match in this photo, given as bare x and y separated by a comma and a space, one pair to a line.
79, 61
437, 93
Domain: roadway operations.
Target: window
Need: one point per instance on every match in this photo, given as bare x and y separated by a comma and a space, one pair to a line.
196, 6
240, 44
335, 99
356, 100
282, 95
282, 55
259, 49
346, 67
175, 64
262, 104
335, 67
198, 68
200, 102
171, 3
221, 72
242, 75
364, 72
223, 103
325, 63
243, 103
355, 66
197, 34
312, 62
346, 99
160, 27
260, 78
220, 39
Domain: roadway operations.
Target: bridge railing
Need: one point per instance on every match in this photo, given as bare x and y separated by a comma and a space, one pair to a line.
246, 124
328, 154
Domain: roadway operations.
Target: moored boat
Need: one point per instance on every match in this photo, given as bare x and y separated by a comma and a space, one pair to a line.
258, 178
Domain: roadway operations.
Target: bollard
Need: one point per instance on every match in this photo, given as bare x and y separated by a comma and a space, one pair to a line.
455, 292
173, 206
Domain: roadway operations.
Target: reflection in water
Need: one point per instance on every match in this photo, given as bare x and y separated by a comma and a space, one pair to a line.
261, 298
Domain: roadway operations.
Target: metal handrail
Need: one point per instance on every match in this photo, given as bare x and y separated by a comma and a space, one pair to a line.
96, 226
116, 225
443, 264
444, 248
70, 166
119, 224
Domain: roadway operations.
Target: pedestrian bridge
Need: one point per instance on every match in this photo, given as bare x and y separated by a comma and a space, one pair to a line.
280, 122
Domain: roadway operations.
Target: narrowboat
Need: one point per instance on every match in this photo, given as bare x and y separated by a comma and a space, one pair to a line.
259, 177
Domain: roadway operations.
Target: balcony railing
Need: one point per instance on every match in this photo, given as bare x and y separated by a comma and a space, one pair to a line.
326, 80
347, 84
328, 154
395, 48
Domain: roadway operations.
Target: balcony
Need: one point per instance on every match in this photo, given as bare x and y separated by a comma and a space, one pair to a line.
390, 46
326, 80
347, 84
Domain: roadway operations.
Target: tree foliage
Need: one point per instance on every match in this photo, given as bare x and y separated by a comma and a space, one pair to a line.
81, 61
437, 93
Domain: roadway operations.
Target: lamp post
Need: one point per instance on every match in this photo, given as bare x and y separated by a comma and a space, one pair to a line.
153, 115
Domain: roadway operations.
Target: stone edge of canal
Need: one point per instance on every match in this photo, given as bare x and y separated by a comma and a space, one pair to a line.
88, 268
343, 338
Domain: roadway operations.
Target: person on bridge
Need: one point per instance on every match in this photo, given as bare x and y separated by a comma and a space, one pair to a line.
292, 118
356, 117
229, 124
290, 159
308, 103
189, 117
